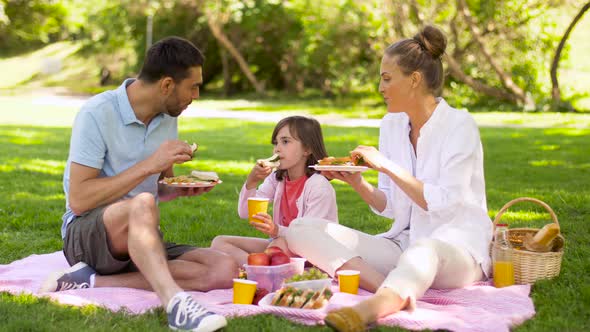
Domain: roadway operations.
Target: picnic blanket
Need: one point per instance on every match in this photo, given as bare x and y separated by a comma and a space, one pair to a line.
479, 307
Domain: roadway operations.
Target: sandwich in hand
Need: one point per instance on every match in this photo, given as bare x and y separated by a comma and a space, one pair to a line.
194, 147
301, 298
272, 162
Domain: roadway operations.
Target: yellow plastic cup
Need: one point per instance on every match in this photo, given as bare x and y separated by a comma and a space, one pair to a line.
349, 281
256, 205
244, 291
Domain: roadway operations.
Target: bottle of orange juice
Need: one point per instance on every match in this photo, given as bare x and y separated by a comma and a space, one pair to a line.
502, 258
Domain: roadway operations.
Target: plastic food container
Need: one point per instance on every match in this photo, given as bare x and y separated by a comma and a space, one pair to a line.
271, 277
315, 285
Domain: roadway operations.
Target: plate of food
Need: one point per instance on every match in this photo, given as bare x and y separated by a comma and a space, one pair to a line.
291, 297
340, 164
197, 179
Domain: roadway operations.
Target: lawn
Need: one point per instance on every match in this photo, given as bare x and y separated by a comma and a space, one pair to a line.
551, 164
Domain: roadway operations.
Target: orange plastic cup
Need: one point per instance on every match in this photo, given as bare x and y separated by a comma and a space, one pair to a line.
256, 205
349, 281
244, 291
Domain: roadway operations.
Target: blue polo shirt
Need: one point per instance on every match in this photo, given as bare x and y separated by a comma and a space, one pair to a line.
108, 136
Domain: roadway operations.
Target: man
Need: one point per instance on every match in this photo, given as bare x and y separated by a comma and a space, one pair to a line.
122, 142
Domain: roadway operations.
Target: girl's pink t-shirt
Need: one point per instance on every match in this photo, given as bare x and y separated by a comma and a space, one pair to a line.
293, 190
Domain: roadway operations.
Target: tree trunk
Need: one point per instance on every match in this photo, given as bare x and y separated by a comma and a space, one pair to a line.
457, 72
555, 91
226, 72
455, 68
504, 78
229, 46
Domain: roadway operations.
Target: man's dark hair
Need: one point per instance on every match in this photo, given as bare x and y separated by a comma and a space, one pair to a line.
170, 57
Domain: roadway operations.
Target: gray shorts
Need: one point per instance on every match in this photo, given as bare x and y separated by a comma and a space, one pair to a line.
86, 241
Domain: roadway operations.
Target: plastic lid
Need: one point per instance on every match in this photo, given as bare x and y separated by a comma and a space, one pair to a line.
501, 225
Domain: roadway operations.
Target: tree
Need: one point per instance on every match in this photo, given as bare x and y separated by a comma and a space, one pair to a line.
214, 19
28, 24
555, 91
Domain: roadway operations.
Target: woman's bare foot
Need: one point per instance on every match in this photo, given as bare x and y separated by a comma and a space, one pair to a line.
345, 319
356, 318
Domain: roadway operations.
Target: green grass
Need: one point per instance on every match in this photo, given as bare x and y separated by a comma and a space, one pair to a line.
551, 164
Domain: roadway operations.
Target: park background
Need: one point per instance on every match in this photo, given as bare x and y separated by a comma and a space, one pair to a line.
318, 58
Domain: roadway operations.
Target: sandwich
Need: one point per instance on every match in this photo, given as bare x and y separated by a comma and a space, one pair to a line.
194, 148
342, 161
193, 178
335, 161
273, 162
205, 176
319, 299
301, 298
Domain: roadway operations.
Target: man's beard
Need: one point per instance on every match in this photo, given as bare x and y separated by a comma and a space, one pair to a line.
173, 107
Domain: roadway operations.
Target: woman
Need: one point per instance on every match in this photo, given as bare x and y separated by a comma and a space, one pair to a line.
431, 182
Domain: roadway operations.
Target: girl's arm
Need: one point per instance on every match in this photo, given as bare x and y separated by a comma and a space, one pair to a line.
266, 190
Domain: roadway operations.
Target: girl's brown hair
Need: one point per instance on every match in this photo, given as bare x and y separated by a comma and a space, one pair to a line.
422, 53
309, 132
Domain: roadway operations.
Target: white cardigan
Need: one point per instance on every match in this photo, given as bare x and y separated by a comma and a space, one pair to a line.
318, 199
449, 161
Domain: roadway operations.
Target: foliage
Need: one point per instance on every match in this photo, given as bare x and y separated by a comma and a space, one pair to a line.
29, 23
333, 46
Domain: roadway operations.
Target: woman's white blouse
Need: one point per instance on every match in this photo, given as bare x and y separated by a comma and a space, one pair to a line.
449, 161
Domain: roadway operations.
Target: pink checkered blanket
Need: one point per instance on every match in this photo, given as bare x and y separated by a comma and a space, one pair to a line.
479, 307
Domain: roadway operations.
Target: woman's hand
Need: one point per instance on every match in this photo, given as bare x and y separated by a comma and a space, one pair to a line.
266, 225
352, 178
372, 157
257, 174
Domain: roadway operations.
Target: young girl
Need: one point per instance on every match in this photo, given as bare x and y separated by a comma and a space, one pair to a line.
295, 189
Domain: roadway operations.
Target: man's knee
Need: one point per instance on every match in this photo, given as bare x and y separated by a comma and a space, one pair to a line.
144, 201
142, 204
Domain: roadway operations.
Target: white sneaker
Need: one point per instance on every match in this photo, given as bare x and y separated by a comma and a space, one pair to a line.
186, 314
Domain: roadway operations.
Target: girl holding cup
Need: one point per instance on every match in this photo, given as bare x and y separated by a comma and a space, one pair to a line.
295, 189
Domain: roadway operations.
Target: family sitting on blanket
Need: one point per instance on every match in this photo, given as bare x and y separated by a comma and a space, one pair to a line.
431, 182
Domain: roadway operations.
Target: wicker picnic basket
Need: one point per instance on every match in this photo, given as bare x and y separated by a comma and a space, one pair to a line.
531, 266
